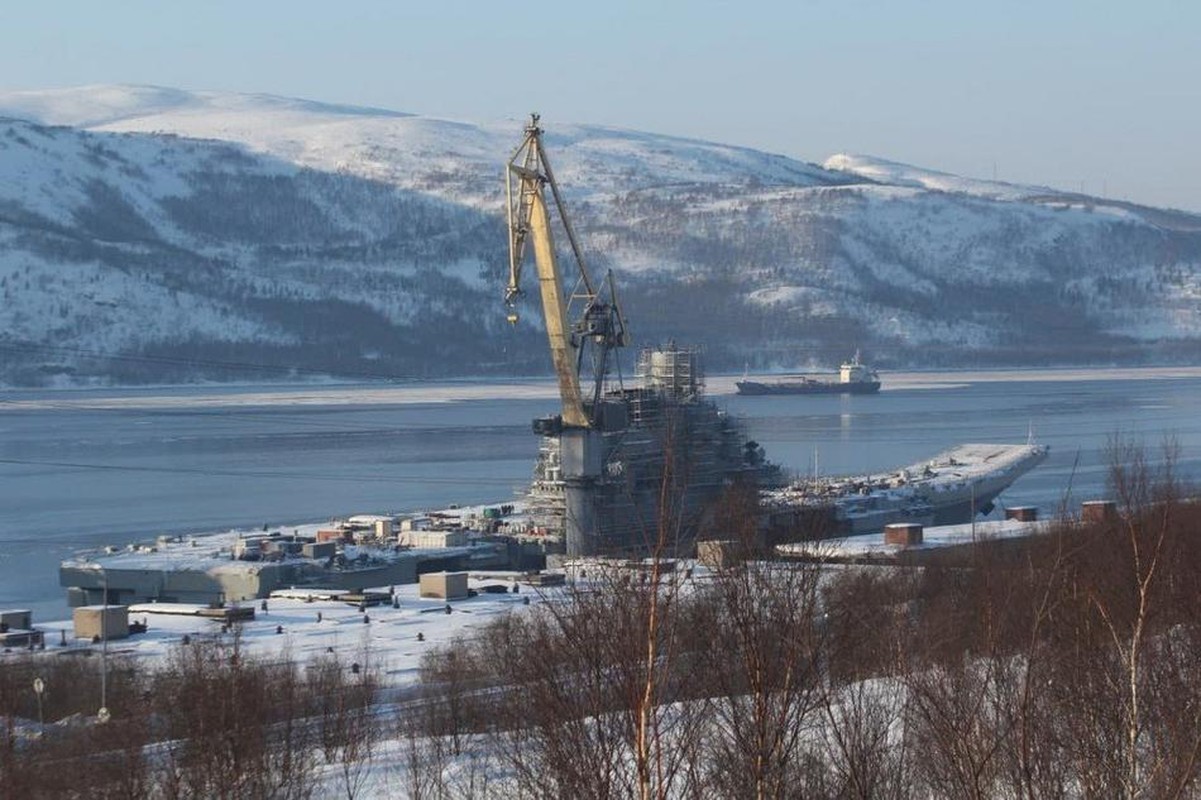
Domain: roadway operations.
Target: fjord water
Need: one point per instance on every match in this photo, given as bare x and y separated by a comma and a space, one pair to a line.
87, 468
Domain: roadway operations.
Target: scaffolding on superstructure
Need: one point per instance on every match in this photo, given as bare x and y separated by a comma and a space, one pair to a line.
671, 434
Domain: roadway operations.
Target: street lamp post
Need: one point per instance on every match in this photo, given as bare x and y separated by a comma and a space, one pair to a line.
102, 714
39, 686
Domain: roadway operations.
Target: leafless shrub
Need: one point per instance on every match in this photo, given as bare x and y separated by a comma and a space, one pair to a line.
866, 618
70, 750
763, 668
1074, 674
342, 699
72, 684
425, 761
866, 740
455, 698
236, 727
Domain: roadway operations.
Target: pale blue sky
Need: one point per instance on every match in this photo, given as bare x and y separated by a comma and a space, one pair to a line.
1101, 95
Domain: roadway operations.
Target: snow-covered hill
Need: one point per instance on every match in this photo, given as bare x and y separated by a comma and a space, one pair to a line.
219, 235
457, 160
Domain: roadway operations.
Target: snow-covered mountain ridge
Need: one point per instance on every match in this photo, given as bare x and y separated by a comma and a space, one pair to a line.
213, 234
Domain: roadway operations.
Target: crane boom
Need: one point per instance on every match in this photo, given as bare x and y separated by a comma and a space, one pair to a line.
600, 325
554, 308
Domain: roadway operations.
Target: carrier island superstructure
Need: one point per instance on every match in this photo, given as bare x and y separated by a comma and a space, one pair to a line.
620, 469
663, 454
626, 469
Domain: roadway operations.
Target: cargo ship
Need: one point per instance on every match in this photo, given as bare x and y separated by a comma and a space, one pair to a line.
854, 377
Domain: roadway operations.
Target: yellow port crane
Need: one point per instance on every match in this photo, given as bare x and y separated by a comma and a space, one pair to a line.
600, 327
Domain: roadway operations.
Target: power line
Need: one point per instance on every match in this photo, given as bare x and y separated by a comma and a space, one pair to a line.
19, 345
316, 418
425, 479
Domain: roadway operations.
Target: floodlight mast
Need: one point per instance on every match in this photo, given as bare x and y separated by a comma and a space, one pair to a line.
600, 326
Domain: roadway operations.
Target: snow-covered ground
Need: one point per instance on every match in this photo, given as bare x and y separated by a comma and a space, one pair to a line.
897, 174
388, 640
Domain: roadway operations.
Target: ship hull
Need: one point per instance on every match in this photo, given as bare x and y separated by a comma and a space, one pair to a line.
952, 489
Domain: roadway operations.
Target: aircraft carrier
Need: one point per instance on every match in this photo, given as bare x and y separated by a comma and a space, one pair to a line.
667, 444
636, 470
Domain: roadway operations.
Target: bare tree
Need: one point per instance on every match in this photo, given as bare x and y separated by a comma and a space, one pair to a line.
866, 740
1125, 642
236, 726
1069, 666
431, 771
343, 706
763, 664
866, 617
